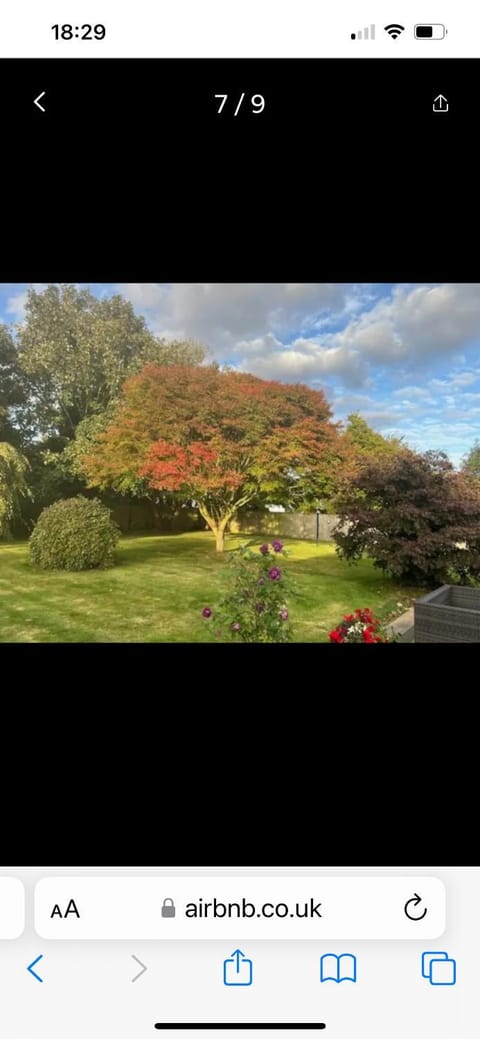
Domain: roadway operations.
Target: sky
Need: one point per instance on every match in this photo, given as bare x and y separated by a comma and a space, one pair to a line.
406, 357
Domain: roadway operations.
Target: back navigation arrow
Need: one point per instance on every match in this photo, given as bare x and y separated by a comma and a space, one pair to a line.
32, 965
38, 99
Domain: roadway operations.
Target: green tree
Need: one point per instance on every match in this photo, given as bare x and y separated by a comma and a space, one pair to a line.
87, 432
49, 477
367, 440
178, 351
13, 486
76, 351
12, 388
471, 462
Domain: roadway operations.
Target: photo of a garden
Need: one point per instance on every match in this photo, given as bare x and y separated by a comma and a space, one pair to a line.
239, 463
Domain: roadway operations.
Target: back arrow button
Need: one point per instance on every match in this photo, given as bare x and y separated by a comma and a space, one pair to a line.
38, 99
32, 965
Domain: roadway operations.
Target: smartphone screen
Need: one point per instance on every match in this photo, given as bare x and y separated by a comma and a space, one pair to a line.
200, 458
349, 952
241, 459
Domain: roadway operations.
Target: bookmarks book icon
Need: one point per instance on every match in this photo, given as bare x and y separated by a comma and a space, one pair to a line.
338, 968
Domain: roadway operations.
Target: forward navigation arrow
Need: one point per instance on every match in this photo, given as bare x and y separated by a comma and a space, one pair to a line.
142, 965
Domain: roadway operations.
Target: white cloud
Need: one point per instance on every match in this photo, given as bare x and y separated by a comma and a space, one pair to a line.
456, 380
252, 325
222, 313
351, 401
15, 305
416, 324
261, 346
380, 419
409, 392
305, 360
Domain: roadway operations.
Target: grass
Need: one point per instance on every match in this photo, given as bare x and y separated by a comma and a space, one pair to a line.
161, 583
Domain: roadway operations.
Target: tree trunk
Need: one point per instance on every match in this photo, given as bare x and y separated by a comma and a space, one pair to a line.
219, 537
217, 527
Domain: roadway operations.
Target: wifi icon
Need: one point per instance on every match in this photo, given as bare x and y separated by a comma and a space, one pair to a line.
394, 30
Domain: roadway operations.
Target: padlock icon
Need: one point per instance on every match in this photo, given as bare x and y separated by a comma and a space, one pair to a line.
168, 908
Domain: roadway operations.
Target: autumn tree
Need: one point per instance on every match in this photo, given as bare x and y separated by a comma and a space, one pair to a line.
218, 438
414, 516
76, 350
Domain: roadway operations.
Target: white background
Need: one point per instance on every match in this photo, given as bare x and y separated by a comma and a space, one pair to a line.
237, 28
87, 992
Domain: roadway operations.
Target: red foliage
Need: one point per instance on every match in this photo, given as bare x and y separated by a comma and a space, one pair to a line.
417, 519
220, 438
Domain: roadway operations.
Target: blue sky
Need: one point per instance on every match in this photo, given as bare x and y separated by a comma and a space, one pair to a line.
407, 357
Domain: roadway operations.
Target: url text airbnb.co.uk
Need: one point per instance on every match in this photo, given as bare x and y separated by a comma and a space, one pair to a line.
244, 910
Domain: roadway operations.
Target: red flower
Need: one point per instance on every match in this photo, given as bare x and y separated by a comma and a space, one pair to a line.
364, 621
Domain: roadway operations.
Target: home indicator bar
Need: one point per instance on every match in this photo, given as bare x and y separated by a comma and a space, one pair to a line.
264, 1026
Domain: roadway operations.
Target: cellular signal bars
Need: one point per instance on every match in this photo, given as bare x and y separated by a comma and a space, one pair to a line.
365, 34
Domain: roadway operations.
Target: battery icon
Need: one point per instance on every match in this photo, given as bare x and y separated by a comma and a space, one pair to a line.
430, 32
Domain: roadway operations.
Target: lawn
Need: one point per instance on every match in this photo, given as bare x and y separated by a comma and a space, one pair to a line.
161, 583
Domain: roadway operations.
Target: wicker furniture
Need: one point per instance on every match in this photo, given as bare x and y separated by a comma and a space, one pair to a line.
449, 614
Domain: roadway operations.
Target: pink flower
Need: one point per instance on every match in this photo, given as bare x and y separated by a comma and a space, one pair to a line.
206, 612
277, 546
235, 626
284, 615
264, 550
275, 573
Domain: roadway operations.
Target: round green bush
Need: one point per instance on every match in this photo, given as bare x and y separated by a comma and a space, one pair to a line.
74, 534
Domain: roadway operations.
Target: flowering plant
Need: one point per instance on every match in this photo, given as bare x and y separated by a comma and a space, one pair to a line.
360, 626
254, 609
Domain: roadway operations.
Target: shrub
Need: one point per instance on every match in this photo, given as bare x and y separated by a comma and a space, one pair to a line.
415, 517
255, 608
74, 534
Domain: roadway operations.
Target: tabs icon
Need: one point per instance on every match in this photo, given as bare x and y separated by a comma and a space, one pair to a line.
438, 968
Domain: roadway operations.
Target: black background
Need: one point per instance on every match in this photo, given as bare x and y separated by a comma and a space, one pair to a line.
131, 175
141, 755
